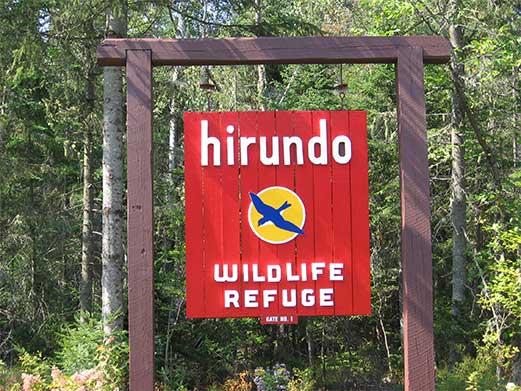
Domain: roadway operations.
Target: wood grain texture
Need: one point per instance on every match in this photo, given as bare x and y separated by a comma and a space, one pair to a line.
274, 50
249, 181
416, 230
342, 230
267, 177
324, 209
230, 205
360, 213
195, 287
285, 177
304, 185
213, 220
140, 220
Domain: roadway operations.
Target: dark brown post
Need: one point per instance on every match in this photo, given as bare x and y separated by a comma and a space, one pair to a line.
416, 229
140, 220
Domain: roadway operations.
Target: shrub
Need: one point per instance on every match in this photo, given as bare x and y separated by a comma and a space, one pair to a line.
472, 374
302, 381
272, 379
238, 383
87, 361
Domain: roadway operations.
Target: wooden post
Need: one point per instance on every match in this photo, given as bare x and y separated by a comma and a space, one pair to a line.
416, 230
140, 220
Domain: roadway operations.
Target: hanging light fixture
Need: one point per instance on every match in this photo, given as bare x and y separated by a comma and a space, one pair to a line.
340, 88
205, 81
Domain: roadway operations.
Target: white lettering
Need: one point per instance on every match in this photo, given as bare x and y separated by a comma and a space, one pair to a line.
231, 297
287, 143
335, 272
289, 302
225, 276
268, 296
288, 298
304, 271
250, 298
206, 141
229, 146
245, 274
273, 160
318, 148
317, 268
289, 273
274, 273
245, 143
308, 299
321, 141
326, 297
346, 157
256, 276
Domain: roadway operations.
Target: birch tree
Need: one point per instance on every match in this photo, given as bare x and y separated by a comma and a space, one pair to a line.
459, 203
87, 236
113, 127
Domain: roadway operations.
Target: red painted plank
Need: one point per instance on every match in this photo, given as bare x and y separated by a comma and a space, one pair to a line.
249, 182
304, 188
231, 207
140, 220
323, 214
195, 287
342, 252
213, 236
267, 178
285, 178
360, 214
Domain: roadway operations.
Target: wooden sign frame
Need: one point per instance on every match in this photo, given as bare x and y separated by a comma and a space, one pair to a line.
408, 53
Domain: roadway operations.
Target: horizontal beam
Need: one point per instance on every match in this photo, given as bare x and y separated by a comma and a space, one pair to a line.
274, 50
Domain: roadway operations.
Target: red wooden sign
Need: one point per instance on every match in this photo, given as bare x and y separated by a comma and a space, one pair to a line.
277, 221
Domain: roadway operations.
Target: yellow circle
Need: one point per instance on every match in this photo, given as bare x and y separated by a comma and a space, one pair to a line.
281, 216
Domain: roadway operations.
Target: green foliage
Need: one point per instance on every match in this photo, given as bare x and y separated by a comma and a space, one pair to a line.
239, 383
79, 343
272, 379
83, 346
47, 54
302, 381
89, 361
472, 374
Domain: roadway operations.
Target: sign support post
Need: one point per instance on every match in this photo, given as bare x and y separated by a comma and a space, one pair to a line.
408, 52
416, 250
140, 223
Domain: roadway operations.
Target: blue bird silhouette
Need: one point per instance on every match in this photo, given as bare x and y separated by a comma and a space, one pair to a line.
269, 213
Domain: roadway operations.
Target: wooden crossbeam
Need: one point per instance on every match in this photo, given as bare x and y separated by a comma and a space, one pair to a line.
274, 50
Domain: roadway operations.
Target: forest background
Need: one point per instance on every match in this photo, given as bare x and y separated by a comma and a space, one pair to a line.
62, 197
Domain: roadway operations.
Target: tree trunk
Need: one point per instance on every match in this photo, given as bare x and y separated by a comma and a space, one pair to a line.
3, 119
87, 237
172, 140
309, 343
516, 152
113, 128
177, 73
459, 204
261, 69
